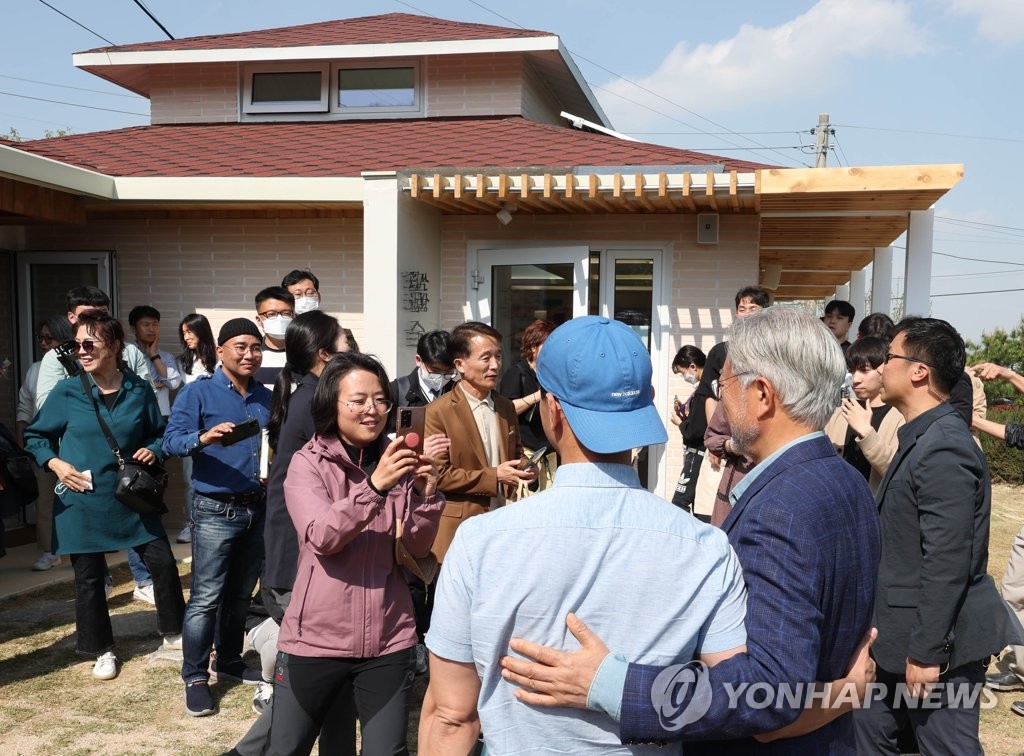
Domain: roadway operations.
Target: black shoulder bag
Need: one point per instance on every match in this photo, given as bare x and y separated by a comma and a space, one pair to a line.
140, 487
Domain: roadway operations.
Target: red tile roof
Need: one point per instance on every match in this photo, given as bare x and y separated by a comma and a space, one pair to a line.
345, 148
388, 28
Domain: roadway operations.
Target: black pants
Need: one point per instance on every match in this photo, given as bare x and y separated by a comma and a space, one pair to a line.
686, 486
308, 690
92, 620
947, 729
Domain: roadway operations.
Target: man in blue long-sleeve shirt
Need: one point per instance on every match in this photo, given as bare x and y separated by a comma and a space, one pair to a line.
228, 509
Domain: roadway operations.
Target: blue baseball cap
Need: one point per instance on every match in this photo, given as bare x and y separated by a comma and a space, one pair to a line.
601, 373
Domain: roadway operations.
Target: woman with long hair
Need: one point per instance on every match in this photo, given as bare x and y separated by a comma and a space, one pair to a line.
67, 439
198, 357
350, 621
310, 342
53, 331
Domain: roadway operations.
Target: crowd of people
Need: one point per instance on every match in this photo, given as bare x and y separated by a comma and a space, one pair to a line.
830, 521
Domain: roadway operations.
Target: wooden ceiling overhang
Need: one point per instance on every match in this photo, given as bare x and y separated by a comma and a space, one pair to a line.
816, 224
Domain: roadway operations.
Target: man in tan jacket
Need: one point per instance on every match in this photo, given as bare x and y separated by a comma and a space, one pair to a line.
483, 464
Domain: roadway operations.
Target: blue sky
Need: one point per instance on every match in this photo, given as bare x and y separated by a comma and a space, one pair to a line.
928, 81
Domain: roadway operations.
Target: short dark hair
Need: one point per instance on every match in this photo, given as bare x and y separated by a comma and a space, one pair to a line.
142, 311
325, 398
689, 355
300, 275
876, 324
86, 295
846, 309
462, 335
60, 327
866, 354
107, 328
759, 296
937, 344
274, 292
433, 348
534, 337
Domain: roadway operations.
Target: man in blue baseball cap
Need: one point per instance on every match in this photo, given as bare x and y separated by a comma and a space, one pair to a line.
581, 546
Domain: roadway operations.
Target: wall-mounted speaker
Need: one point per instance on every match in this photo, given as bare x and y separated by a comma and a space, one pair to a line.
771, 275
707, 228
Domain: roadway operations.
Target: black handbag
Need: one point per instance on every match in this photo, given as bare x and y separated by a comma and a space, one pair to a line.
140, 487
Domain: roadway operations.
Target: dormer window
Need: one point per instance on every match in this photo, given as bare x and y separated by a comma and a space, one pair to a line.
286, 89
341, 90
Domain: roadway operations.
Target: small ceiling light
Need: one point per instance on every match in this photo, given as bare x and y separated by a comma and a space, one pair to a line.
505, 214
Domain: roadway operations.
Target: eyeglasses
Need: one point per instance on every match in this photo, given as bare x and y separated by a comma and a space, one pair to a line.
275, 314
241, 350
891, 355
722, 382
88, 345
369, 405
307, 293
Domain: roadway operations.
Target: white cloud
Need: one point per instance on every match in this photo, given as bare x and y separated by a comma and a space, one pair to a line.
999, 20
760, 64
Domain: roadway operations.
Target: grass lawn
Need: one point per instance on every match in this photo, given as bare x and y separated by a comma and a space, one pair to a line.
51, 704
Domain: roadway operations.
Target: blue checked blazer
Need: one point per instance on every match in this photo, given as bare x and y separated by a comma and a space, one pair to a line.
807, 535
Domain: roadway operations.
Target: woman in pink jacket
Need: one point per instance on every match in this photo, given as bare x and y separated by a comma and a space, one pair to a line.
350, 620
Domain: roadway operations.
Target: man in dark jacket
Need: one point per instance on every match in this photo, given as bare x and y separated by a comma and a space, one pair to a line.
433, 375
938, 614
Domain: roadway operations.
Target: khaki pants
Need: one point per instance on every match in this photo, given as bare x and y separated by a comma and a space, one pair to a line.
1013, 591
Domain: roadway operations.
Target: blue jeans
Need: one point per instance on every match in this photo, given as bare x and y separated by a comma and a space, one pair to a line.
140, 573
227, 551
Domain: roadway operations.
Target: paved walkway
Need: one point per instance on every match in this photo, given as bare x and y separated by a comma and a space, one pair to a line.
16, 575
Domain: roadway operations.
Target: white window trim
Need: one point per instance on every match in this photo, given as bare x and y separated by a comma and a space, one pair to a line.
418, 98
266, 108
327, 108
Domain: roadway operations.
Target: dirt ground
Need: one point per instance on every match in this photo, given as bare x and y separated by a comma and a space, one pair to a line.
51, 704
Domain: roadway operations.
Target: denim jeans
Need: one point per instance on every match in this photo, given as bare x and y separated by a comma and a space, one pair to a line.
140, 574
92, 620
227, 551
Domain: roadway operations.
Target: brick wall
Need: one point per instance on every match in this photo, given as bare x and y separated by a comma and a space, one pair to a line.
467, 85
194, 93
217, 265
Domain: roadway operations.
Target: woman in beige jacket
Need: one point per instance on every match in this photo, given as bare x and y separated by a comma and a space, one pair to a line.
863, 430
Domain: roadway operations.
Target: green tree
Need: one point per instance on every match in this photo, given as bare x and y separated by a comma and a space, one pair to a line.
1003, 348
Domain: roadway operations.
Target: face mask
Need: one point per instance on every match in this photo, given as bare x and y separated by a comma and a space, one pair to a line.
690, 378
276, 326
306, 304
433, 381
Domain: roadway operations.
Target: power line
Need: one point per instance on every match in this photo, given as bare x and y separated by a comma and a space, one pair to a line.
96, 34
153, 18
68, 86
841, 150
963, 222
75, 104
707, 133
933, 133
975, 259
645, 89
969, 293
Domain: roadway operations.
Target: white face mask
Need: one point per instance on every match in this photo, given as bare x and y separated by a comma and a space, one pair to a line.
306, 304
433, 381
690, 378
276, 326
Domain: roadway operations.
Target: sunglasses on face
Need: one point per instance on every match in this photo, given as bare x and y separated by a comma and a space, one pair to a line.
87, 345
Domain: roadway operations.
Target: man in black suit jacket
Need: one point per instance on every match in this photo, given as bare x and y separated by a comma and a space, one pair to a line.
432, 376
938, 614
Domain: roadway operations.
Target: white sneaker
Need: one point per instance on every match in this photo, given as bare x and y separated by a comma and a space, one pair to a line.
172, 642
144, 593
185, 535
45, 562
105, 667
264, 692
108, 587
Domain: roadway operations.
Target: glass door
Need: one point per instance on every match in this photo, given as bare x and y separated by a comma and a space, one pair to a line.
43, 282
517, 286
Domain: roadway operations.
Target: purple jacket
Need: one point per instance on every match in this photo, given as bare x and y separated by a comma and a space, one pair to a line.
350, 598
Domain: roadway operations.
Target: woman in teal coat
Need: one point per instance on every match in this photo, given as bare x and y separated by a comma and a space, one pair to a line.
65, 438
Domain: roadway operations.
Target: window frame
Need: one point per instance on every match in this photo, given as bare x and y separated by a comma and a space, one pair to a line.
345, 113
282, 106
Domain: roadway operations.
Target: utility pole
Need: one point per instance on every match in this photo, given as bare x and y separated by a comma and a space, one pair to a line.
821, 142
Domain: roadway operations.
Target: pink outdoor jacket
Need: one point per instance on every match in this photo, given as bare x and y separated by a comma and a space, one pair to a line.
350, 599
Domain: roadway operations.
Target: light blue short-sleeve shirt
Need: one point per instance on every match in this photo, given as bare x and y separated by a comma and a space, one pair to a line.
650, 580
